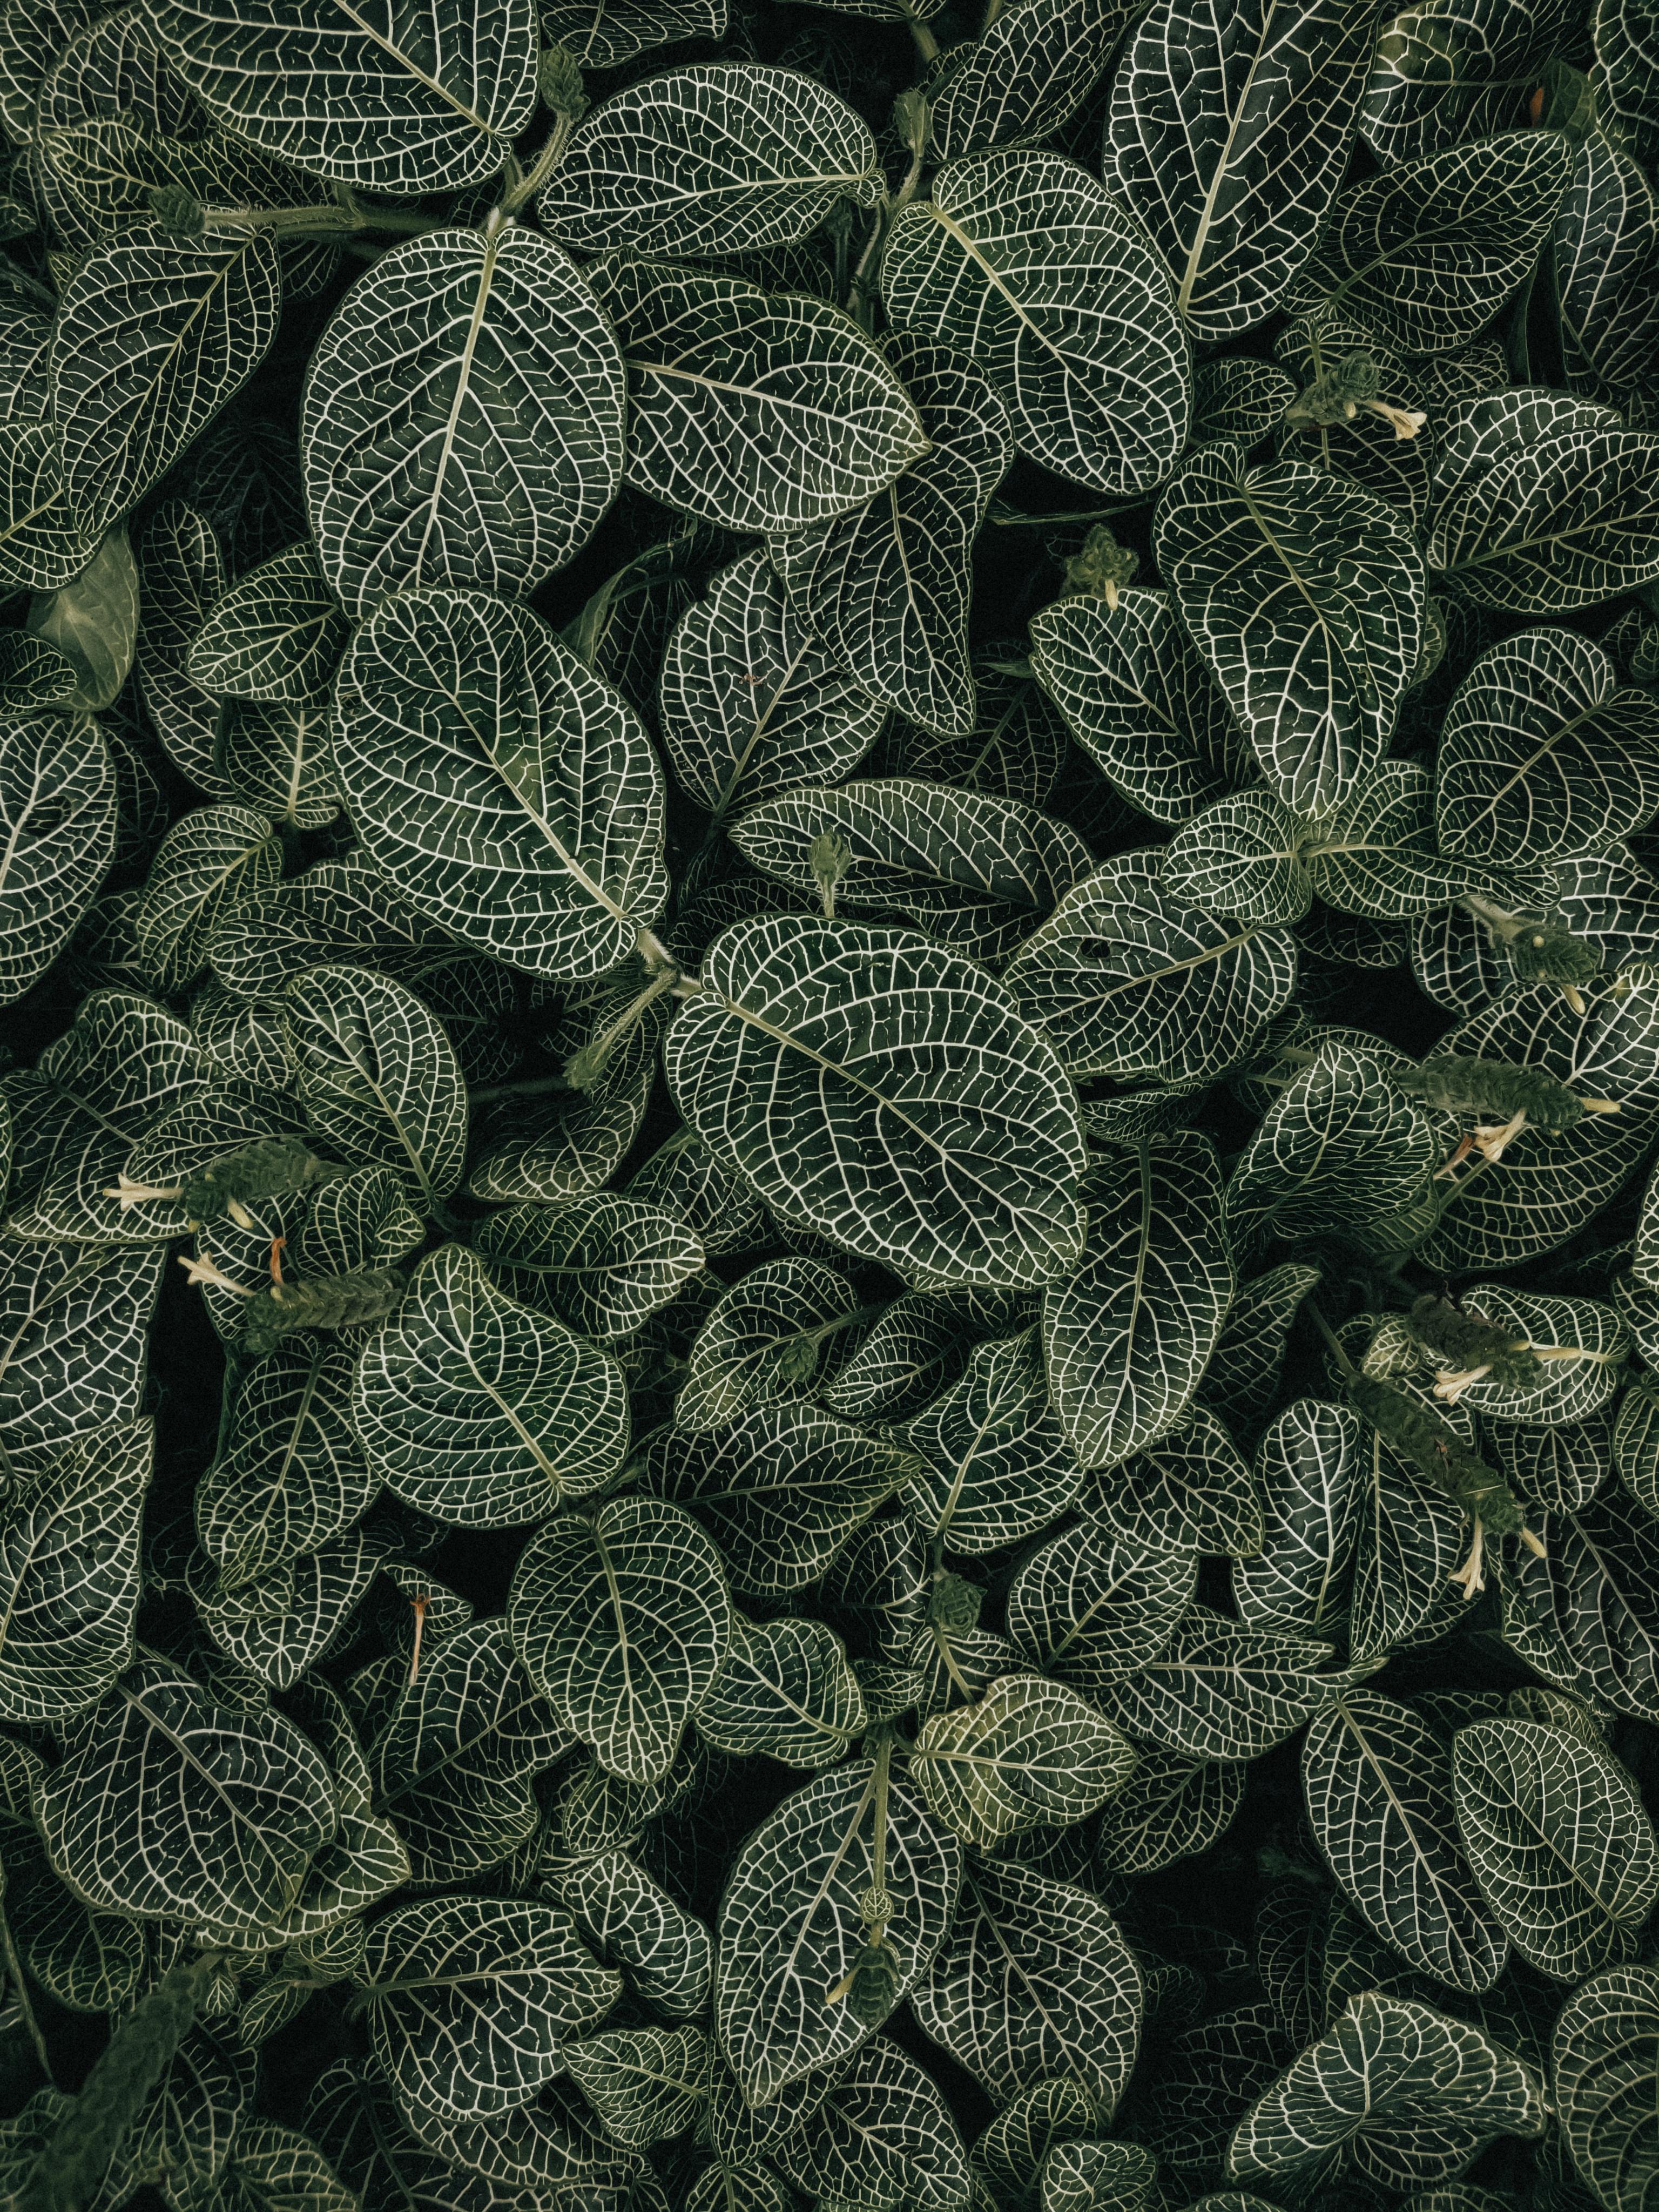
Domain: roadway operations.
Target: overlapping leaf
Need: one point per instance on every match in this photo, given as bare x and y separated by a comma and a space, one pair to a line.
1023, 262
816, 1059
463, 422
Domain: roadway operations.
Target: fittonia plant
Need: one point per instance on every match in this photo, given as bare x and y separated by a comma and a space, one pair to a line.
828, 1299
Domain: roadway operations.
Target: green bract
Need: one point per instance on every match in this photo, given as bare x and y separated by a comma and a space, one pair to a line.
829, 1106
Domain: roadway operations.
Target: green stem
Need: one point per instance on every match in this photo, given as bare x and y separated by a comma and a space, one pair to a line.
338, 222
540, 168
1349, 1370
14, 1968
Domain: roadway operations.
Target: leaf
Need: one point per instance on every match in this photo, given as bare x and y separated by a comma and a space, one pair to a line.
69, 1571
764, 1342
1012, 2149
760, 412
1125, 1339
154, 334
371, 2142
42, 546
1604, 252
880, 1585
73, 1345
93, 623
278, 1629
463, 419
602, 33
1560, 1842
277, 634
28, 45
1034, 1979
790, 1923
1542, 752
645, 2084
182, 576
970, 871
1092, 1609
1341, 1149
90, 1961
1210, 2075
187, 2125
784, 1689
469, 1999
683, 1177
1307, 1472
1029, 1753
1229, 137
1243, 1376
1424, 255
781, 1490
1586, 1615
994, 1465
888, 587
1604, 2060
473, 1409
884, 2126
753, 698
365, 1861
814, 1061
340, 912
1012, 262
275, 2168
1445, 72
1547, 1187
277, 757
508, 794
1244, 856
453, 1765
622, 1621
1409, 2094
58, 808
409, 101
915, 1345
1190, 1491
666, 1953
604, 1264
1376, 856
1026, 76
1580, 1345
207, 862
1306, 597
1169, 1809
168, 1804
377, 1077
1378, 1786
1015, 748
1541, 516
1562, 1468
1218, 1690
721, 159
1126, 979
1139, 699
76, 1117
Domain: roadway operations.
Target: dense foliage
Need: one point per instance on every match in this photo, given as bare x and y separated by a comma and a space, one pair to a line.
850, 815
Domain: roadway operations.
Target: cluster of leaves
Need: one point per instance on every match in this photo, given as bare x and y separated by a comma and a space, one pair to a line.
849, 815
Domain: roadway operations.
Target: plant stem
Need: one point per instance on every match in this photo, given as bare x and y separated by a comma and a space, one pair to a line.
14, 1969
540, 168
